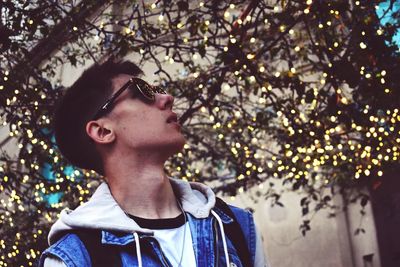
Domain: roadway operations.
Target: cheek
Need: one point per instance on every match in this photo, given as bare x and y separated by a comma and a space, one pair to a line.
140, 124
136, 121
130, 112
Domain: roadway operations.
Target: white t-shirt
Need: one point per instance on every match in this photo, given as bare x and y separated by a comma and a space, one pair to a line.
174, 238
175, 243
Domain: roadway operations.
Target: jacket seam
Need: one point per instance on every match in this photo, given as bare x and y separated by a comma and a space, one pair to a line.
252, 241
60, 254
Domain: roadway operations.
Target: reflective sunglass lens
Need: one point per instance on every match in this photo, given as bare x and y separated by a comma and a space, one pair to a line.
146, 90
159, 90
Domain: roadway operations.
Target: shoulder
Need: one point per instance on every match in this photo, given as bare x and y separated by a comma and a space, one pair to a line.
242, 216
253, 235
68, 242
69, 249
240, 220
234, 215
241, 212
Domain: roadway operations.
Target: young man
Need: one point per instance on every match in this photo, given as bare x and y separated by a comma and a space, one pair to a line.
115, 123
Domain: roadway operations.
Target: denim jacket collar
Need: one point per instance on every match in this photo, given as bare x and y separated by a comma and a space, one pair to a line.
122, 239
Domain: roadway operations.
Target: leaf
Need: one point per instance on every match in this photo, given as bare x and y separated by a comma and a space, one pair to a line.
193, 23
327, 198
203, 28
299, 87
359, 230
202, 50
304, 211
319, 206
183, 5
309, 96
303, 201
296, 185
364, 201
72, 59
304, 227
154, 30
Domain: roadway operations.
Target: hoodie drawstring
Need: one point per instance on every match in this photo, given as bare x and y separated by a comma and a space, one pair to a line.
221, 226
138, 253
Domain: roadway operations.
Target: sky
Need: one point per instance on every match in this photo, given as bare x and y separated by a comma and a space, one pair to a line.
387, 18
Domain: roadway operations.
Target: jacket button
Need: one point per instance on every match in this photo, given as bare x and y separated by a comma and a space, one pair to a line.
233, 264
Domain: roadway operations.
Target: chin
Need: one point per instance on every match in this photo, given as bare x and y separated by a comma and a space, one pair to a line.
175, 145
178, 145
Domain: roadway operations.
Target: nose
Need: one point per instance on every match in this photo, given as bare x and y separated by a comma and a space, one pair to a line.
165, 101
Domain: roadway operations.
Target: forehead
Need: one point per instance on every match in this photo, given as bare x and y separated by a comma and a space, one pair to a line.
118, 81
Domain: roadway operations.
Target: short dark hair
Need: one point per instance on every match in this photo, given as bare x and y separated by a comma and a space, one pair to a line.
79, 104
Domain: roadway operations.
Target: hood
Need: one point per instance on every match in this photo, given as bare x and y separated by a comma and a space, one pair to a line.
103, 212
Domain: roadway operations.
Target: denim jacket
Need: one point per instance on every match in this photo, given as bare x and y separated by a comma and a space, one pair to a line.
138, 247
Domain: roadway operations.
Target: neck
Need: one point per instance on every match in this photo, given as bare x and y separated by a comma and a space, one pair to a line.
141, 187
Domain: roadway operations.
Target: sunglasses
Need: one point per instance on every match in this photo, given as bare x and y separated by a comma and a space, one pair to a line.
134, 84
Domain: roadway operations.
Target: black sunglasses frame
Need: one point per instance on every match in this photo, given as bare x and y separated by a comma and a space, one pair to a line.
148, 93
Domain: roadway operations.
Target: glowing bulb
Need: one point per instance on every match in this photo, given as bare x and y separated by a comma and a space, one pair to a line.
363, 45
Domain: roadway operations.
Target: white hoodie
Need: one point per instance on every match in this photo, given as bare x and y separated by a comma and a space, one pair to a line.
103, 212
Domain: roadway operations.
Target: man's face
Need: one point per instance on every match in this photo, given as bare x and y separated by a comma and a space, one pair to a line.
143, 126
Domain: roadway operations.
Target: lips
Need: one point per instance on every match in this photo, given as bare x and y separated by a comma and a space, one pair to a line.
172, 118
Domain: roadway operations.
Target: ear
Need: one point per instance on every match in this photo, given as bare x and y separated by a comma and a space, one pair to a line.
100, 132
